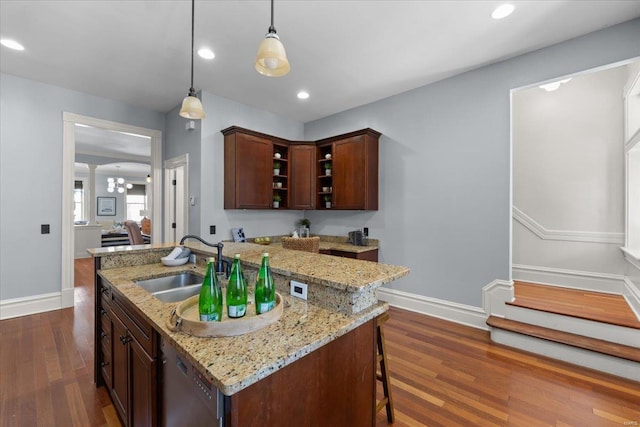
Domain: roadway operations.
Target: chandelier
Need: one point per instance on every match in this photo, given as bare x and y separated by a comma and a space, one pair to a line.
117, 183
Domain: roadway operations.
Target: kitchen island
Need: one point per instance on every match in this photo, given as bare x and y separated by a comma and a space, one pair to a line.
316, 363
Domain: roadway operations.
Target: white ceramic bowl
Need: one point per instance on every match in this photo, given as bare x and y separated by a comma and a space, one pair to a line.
174, 262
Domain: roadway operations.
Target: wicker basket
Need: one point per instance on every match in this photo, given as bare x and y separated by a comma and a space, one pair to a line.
308, 244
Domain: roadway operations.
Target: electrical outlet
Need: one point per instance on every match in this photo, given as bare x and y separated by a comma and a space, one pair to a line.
44, 229
299, 289
212, 229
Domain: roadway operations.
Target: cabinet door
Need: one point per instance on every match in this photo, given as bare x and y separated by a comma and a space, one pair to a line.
143, 386
349, 173
302, 163
248, 171
119, 358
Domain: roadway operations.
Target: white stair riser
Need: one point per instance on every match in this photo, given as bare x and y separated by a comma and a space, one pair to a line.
589, 359
574, 325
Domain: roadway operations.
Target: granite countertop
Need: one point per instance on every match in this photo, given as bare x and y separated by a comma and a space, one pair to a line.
233, 363
336, 272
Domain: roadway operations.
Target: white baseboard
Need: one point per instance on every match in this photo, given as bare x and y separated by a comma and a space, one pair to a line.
574, 279
67, 299
34, 304
494, 296
447, 310
632, 295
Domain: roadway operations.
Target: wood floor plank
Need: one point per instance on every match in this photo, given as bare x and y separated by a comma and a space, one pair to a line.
76, 405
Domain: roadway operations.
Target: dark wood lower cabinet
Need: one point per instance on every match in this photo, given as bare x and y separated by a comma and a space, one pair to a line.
332, 386
119, 355
126, 359
143, 390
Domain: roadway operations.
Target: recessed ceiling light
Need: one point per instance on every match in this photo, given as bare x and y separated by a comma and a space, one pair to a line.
502, 11
206, 53
11, 44
303, 95
550, 87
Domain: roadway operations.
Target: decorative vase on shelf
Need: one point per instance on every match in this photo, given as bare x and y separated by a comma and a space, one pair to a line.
328, 205
276, 205
327, 172
276, 171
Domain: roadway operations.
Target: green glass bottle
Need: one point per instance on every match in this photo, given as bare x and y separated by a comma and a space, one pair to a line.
265, 291
236, 290
210, 302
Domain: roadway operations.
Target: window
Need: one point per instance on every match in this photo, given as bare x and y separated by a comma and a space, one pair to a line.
136, 202
78, 201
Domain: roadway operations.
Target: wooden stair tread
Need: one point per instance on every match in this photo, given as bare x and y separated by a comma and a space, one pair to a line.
588, 305
593, 344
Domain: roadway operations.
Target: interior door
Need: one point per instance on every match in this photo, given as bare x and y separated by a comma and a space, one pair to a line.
176, 203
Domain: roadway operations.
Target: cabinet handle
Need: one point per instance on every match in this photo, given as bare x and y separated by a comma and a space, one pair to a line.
104, 289
103, 364
103, 311
125, 339
103, 335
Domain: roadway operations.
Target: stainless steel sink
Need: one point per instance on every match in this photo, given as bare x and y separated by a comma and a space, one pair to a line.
178, 294
172, 288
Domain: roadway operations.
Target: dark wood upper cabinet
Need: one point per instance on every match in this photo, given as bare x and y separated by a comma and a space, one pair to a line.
303, 182
302, 165
248, 169
353, 183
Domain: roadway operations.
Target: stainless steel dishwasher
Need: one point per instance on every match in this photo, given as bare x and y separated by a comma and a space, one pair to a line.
188, 399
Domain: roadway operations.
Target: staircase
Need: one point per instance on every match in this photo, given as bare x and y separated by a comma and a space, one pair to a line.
591, 329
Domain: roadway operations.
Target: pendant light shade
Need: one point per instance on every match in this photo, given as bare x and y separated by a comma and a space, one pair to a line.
191, 105
271, 59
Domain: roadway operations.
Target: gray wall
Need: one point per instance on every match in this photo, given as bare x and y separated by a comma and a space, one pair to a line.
445, 208
31, 149
178, 141
206, 168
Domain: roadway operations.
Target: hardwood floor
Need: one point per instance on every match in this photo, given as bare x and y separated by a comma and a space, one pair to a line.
442, 374
445, 374
46, 365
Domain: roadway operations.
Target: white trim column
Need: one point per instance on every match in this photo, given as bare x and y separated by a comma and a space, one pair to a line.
92, 194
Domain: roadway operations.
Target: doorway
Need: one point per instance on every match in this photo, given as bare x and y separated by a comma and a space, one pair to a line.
568, 192
176, 191
70, 120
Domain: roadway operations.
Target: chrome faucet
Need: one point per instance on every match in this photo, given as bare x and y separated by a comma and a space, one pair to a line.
222, 266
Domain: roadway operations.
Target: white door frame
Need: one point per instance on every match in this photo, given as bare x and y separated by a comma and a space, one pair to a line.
68, 171
181, 214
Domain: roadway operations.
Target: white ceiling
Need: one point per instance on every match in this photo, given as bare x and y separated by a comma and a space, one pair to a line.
115, 153
344, 53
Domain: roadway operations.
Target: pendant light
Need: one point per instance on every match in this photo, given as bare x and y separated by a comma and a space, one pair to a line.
117, 183
191, 105
272, 59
